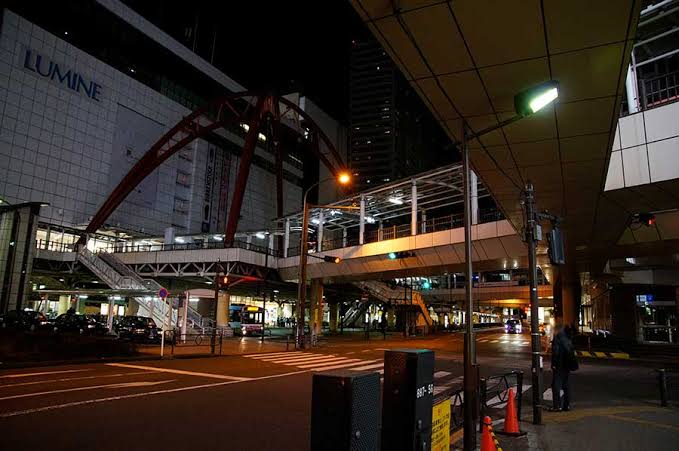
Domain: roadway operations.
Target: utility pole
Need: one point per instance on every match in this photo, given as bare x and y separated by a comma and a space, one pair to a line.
470, 373
532, 236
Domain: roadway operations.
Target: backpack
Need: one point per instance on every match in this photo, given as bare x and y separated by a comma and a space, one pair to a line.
570, 358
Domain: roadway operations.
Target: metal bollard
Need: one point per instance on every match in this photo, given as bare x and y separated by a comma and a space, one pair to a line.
519, 393
483, 398
662, 381
221, 339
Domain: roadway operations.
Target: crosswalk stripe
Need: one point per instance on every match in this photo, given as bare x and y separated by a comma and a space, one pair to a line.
440, 374
504, 341
307, 361
483, 341
495, 399
318, 364
300, 358
369, 367
495, 341
338, 366
271, 354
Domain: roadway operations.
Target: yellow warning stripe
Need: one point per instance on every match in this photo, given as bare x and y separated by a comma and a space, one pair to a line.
603, 355
492, 434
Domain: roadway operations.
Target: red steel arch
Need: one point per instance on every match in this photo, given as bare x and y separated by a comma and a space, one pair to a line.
254, 109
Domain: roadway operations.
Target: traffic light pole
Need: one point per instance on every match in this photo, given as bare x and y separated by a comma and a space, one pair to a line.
213, 337
470, 376
531, 239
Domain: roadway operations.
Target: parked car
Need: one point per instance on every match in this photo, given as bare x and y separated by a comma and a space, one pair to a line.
513, 326
23, 320
137, 328
81, 324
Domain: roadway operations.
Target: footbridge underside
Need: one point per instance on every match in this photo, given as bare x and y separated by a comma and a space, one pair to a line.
495, 246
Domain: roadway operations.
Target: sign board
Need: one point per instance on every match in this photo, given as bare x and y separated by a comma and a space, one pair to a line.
440, 426
162, 293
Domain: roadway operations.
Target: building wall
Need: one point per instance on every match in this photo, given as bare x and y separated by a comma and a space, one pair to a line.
70, 147
646, 148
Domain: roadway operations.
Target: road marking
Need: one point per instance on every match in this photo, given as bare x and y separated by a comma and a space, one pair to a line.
49, 381
272, 354
137, 395
366, 350
644, 422
342, 365
381, 349
92, 387
483, 341
350, 353
579, 414
8, 376
501, 405
187, 373
328, 362
369, 367
440, 374
504, 341
304, 359
495, 341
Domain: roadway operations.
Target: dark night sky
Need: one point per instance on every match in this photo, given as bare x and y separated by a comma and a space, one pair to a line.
291, 45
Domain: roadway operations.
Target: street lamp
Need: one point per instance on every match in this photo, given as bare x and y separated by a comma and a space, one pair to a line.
526, 103
343, 178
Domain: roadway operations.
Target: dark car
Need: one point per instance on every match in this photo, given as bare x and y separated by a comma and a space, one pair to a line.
81, 324
23, 320
138, 328
513, 326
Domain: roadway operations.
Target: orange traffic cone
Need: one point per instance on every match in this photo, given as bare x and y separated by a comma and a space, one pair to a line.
511, 422
487, 442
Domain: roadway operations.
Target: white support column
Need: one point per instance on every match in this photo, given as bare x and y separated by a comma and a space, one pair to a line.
271, 237
413, 208
111, 313
344, 237
424, 221
361, 223
474, 182
321, 219
380, 229
286, 238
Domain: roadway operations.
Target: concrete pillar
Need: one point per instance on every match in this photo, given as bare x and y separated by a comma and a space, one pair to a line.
286, 238
316, 308
474, 182
380, 229
111, 313
271, 240
424, 221
391, 316
319, 243
334, 316
223, 303
361, 221
64, 303
344, 237
132, 307
566, 289
413, 208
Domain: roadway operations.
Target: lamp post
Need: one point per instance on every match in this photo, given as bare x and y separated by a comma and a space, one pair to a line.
343, 179
526, 103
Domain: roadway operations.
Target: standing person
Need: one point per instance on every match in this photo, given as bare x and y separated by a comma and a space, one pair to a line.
563, 362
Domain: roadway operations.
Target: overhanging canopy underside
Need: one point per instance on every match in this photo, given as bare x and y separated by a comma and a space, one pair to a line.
467, 59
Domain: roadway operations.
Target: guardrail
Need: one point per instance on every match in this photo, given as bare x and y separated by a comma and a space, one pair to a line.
494, 392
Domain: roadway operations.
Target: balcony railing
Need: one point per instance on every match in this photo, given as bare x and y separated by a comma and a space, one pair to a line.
659, 90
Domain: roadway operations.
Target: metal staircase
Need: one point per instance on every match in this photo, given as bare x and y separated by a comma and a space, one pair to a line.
384, 293
119, 276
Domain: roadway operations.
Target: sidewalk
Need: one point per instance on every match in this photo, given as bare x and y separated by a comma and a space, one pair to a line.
640, 426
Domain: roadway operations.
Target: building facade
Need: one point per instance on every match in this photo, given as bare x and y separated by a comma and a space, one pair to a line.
76, 115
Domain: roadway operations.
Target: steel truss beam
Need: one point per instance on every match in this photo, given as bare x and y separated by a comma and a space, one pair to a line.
233, 108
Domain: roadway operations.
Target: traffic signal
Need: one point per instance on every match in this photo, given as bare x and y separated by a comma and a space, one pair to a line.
402, 254
331, 259
224, 281
426, 285
647, 219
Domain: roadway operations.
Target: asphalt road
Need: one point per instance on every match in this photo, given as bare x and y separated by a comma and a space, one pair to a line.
249, 402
